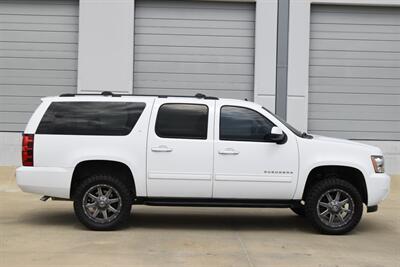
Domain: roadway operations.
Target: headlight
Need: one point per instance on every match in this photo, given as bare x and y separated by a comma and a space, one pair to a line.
378, 163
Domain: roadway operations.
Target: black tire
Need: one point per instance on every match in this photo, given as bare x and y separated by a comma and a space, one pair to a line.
316, 206
299, 210
119, 210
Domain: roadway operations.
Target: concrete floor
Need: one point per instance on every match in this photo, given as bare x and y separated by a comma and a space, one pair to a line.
34, 233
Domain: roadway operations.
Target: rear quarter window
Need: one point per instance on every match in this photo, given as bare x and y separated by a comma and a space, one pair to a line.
90, 118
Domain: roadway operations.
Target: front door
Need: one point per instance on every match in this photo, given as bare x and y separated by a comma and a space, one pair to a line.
247, 164
180, 148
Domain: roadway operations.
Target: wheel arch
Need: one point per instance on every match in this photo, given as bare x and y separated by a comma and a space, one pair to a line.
86, 168
350, 174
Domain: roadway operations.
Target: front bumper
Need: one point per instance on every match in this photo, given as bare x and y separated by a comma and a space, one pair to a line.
378, 186
49, 181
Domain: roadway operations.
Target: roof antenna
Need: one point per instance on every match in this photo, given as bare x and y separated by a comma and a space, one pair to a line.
199, 95
106, 93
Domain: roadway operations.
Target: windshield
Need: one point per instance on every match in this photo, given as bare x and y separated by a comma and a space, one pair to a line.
290, 127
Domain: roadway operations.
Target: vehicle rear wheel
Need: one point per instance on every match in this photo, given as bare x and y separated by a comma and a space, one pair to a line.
102, 202
334, 206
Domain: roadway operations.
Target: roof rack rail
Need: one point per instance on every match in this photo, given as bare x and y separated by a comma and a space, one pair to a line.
109, 93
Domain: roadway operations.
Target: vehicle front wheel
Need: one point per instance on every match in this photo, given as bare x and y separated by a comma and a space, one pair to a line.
334, 206
102, 202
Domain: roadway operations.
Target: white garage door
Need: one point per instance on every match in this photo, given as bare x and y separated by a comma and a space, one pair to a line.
355, 72
38, 56
186, 47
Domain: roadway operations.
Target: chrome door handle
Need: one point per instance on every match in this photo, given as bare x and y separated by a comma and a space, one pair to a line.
228, 152
161, 149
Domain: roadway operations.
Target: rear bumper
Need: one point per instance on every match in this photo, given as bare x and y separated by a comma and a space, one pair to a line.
378, 186
49, 181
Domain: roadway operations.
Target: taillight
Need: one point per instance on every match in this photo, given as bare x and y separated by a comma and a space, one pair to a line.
27, 150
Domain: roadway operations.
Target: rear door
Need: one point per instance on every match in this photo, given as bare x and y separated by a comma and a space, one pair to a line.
180, 148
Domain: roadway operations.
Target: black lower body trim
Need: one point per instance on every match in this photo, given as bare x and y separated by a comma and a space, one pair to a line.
215, 202
372, 208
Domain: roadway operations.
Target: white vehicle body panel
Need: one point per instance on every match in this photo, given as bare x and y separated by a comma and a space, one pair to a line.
195, 168
180, 167
259, 170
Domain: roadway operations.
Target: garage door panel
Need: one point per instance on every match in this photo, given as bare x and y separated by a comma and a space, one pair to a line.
349, 62
360, 135
356, 36
360, 125
195, 31
203, 68
38, 56
188, 92
353, 99
15, 117
317, 28
39, 64
193, 13
369, 17
361, 55
17, 107
36, 81
353, 113
198, 5
72, 74
190, 41
355, 72
45, 89
193, 58
197, 78
38, 27
38, 46
191, 46
390, 90
359, 45
38, 36
342, 81
182, 50
194, 24
43, 19
193, 85
38, 8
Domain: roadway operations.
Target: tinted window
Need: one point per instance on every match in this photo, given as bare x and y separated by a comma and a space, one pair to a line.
243, 124
188, 121
90, 118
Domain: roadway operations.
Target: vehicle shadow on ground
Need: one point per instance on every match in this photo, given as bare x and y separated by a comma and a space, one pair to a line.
196, 222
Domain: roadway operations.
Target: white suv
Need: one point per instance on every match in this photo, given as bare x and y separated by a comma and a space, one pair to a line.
106, 152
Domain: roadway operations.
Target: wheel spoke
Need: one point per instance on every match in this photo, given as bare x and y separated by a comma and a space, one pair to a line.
323, 204
113, 200
92, 196
108, 194
337, 197
325, 212
343, 202
96, 212
340, 217
347, 210
104, 212
331, 218
328, 195
110, 208
99, 191
90, 205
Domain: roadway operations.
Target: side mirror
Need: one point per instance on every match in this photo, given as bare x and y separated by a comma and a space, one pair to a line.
277, 135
